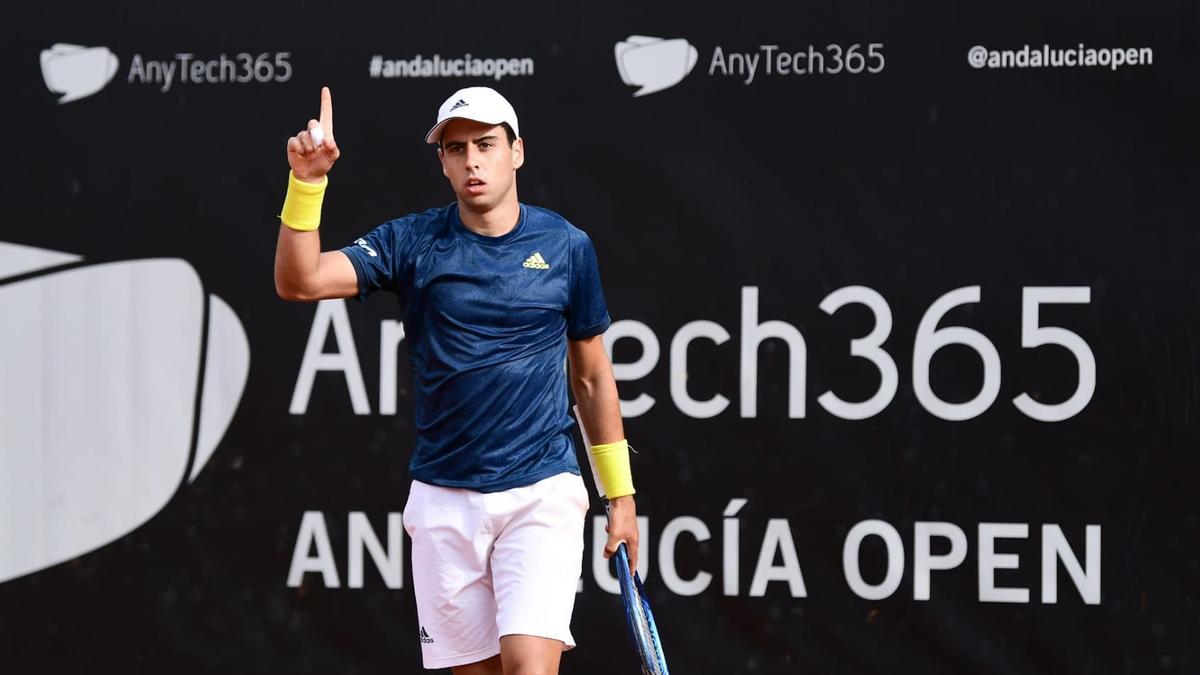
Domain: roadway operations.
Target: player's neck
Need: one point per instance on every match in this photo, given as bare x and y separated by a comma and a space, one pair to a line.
495, 222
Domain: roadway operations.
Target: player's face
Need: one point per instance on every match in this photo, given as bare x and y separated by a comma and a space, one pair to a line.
480, 164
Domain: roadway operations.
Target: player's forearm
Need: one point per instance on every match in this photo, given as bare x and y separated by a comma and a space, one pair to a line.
600, 415
599, 406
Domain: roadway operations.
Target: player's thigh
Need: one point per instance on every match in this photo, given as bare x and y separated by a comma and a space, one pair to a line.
530, 655
492, 666
537, 560
456, 608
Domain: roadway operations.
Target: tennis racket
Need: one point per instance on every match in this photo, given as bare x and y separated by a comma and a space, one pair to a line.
633, 595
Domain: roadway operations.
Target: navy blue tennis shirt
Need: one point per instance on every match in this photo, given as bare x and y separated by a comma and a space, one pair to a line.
487, 319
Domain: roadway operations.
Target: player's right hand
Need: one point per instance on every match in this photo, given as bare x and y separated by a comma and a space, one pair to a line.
310, 161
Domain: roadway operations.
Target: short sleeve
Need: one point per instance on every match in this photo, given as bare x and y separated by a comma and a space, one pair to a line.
380, 256
587, 314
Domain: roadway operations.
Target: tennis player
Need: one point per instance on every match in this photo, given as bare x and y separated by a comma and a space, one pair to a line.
494, 295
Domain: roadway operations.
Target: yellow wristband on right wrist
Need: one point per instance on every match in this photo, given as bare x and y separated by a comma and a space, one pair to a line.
612, 467
302, 206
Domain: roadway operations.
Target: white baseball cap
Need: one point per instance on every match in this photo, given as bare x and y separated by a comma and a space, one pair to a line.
481, 104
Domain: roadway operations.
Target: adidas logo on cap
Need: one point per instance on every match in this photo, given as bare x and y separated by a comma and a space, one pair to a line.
459, 104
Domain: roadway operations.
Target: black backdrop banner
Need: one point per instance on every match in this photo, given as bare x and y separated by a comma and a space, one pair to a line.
905, 328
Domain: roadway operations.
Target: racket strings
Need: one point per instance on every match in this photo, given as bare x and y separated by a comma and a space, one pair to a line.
649, 638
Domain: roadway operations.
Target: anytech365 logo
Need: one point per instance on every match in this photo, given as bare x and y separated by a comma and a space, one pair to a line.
114, 395
77, 72
653, 63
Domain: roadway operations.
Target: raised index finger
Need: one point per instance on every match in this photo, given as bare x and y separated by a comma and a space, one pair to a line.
326, 111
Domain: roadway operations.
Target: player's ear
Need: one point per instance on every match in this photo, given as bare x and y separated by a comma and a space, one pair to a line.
442, 159
518, 153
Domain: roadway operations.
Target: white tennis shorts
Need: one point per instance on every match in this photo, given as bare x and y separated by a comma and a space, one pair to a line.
492, 564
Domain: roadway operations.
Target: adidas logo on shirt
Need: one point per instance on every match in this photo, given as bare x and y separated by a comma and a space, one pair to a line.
536, 262
458, 104
425, 639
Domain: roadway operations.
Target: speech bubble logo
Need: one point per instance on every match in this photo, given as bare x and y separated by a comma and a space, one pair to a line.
77, 72
103, 366
652, 63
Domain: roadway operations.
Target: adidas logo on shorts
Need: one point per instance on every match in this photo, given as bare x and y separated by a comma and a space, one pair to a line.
425, 639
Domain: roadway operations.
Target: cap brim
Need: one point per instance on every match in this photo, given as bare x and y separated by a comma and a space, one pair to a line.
434, 137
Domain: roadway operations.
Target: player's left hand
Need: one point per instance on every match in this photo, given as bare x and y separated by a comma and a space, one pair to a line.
623, 527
